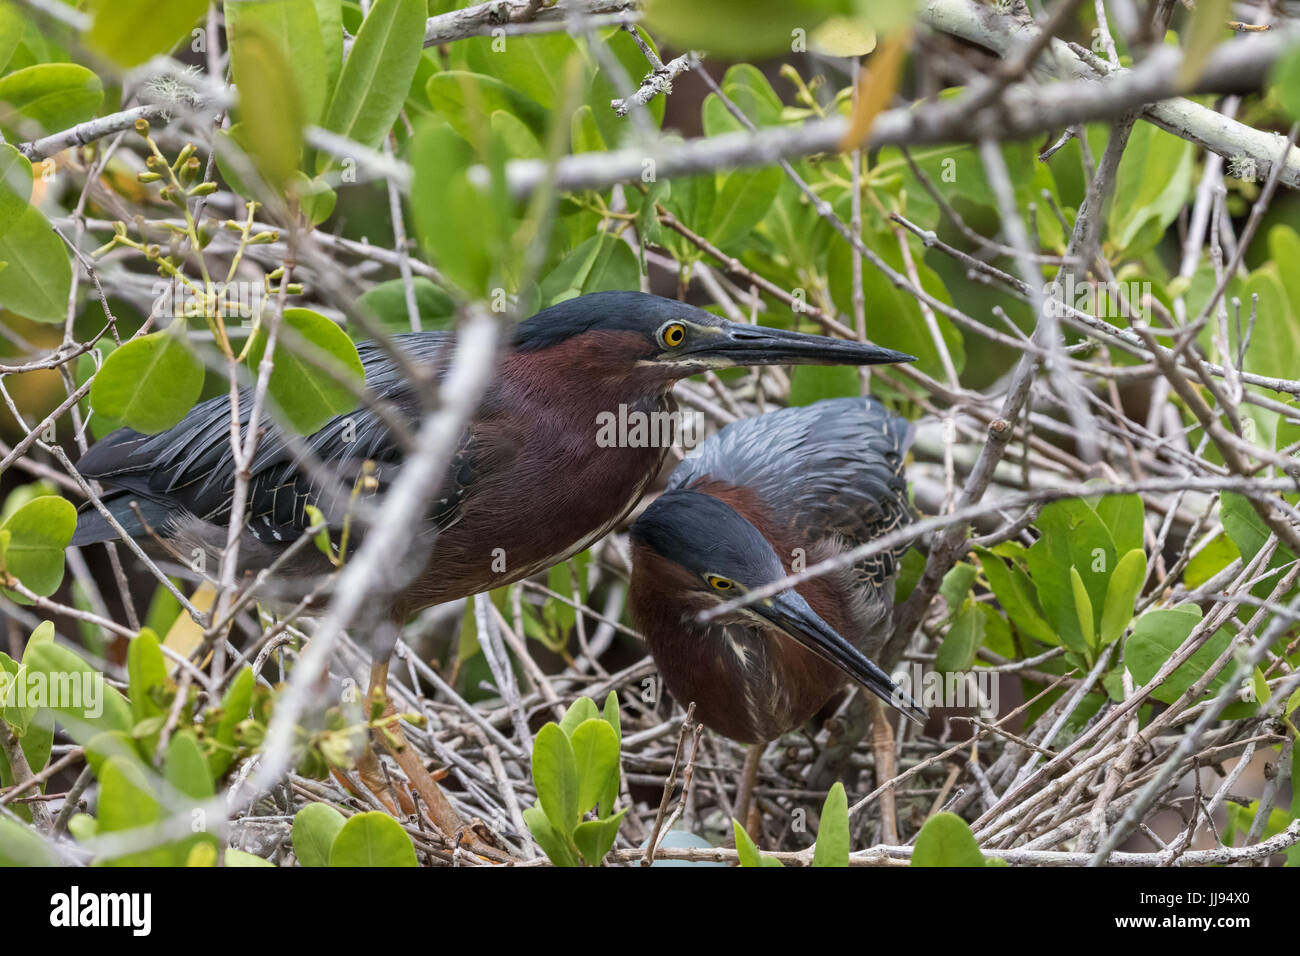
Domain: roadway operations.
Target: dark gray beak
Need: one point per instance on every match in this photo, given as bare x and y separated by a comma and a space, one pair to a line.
796, 618
738, 344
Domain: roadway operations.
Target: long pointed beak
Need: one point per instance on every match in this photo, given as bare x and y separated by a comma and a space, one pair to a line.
739, 344
796, 618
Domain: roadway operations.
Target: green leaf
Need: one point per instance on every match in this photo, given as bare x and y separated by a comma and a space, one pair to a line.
20, 846
293, 29
372, 839
738, 29
743, 201
1286, 81
53, 96
600, 264
234, 709
126, 802
555, 846
595, 752
1156, 635
1072, 536
38, 533
582, 709
12, 24
449, 210
240, 858
146, 669
465, 100
131, 31
1122, 515
594, 838
832, 847
329, 17
1121, 594
814, 383
386, 302
1082, 606
270, 127
150, 383
315, 828
611, 715
15, 185
306, 395
519, 141
1206, 26
37, 281
748, 852
76, 705
377, 73
1152, 183
1246, 529
957, 652
1276, 336
946, 840
956, 585
555, 774
1015, 593
185, 768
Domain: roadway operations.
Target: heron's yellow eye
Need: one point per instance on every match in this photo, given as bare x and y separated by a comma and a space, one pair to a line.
672, 335
719, 583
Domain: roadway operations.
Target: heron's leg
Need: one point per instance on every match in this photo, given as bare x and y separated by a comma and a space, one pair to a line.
438, 807
748, 777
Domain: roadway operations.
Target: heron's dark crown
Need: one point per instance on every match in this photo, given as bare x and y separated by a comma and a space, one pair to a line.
705, 535
603, 312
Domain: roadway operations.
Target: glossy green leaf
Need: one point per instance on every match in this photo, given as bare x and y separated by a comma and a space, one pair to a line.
38, 533
595, 752
1016, 594
185, 768
53, 96
449, 210
555, 774
743, 200
15, 185
555, 846
386, 303
241, 858
599, 264
1082, 606
815, 383
957, 652
1121, 594
37, 279
315, 828
329, 18
594, 838
293, 29
126, 802
1157, 635
1072, 536
13, 22
1286, 81
131, 31
1207, 25
582, 709
21, 846
270, 126
308, 396
377, 73
150, 383
832, 847
146, 671
465, 100
234, 709
946, 840
1122, 515
748, 852
739, 29
372, 839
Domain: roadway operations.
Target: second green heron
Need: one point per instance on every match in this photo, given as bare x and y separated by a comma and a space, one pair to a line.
765, 496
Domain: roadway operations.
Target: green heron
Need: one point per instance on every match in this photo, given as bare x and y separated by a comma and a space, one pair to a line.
530, 484
764, 496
